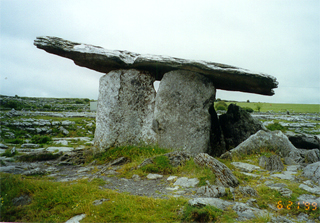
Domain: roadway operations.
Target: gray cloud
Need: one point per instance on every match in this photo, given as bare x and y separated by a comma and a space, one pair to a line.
280, 38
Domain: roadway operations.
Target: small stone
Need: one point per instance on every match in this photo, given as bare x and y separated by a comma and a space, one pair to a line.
251, 174
3, 146
185, 182
248, 191
274, 163
171, 178
29, 145
211, 191
98, 202
312, 171
136, 177
253, 203
152, 176
314, 190
286, 175
289, 161
246, 167
21, 201
76, 219
312, 156
216, 202
263, 161
172, 188
13, 150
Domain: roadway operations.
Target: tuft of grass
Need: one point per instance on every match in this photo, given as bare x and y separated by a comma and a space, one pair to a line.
41, 139
201, 214
135, 153
39, 157
191, 170
8, 153
58, 202
276, 126
161, 164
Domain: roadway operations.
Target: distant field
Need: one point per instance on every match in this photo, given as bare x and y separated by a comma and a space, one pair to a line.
303, 108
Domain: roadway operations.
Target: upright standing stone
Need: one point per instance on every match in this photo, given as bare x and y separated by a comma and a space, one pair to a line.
125, 109
181, 117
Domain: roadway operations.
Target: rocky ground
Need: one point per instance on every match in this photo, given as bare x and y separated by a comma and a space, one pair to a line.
71, 133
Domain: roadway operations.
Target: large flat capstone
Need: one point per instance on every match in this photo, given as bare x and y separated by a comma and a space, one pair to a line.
224, 77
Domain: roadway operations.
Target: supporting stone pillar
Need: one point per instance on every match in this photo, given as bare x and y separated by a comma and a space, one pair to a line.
125, 109
183, 109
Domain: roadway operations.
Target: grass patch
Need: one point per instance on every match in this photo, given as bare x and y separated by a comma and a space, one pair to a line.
134, 153
161, 164
38, 157
8, 153
201, 214
58, 202
280, 107
191, 170
276, 126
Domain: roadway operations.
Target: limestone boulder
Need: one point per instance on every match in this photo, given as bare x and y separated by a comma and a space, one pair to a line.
224, 176
125, 109
274, 163
182, 114
312, 171
274, 141
102, 60
304, 141
237, 125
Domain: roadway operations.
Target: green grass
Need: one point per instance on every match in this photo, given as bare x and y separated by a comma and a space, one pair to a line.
58, 202
279, 107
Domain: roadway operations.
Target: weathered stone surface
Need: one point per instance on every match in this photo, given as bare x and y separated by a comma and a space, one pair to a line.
274, 163
2, 146
182, 118
216, 202
224, 176
246, 212
186, 182
76, 219
274, 141
248, 191
314, 190
211, 191
263, 161
237, 125
22, 200
289, 161
98, 202
125, 109
285, 175
303, 141
312, 156
246, 167
312, 172
224, 76
152, 176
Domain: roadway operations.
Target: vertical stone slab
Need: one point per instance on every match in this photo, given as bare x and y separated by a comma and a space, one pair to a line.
182, 119
125, 109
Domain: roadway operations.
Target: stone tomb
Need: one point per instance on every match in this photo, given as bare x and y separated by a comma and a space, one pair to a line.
180, 116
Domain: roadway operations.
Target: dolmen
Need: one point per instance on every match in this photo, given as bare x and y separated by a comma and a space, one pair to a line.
180, 115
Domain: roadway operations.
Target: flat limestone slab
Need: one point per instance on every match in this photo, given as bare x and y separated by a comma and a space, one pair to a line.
225, 77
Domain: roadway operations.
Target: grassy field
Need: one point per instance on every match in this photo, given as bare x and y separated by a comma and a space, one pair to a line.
278, 107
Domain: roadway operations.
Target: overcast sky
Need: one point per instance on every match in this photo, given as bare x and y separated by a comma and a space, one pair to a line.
277, 37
